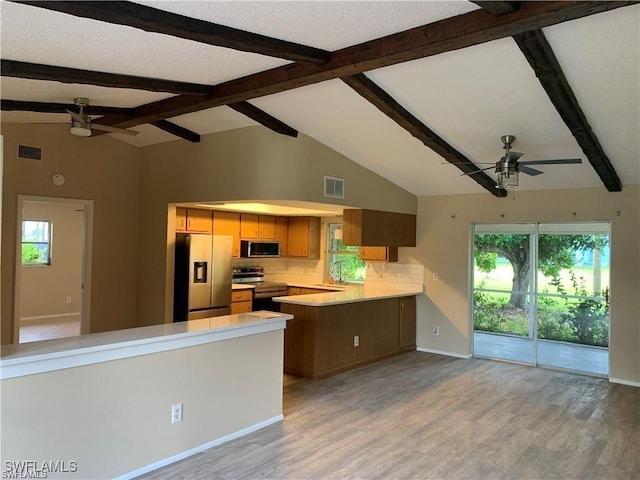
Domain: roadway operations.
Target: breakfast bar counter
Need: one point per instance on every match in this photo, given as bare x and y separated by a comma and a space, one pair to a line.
337, 331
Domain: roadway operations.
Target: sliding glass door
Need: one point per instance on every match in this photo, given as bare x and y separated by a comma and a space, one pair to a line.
502, 286
573, 297
541, 294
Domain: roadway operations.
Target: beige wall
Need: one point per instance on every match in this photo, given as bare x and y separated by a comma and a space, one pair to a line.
250, 163
444, 226
115, 417
44, 289
101, 169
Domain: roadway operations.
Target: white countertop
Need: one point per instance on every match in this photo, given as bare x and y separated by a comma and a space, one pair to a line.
351, 295
242, 286
17, 360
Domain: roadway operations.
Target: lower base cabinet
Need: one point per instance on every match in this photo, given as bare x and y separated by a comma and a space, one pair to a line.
241, 301
322, 341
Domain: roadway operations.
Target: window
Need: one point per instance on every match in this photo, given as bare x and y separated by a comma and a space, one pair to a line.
36, 242
344, 264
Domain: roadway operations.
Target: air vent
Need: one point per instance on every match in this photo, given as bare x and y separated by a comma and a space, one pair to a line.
333, 187
32, 153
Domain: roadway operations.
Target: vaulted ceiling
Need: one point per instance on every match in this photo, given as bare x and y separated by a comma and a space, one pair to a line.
416, 91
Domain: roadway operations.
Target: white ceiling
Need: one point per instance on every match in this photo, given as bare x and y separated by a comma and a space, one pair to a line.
469, 97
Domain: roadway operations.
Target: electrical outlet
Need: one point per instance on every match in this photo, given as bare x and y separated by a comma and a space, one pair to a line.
436, 330
356, 341
436, 276
176, 413
380, 276
68, 299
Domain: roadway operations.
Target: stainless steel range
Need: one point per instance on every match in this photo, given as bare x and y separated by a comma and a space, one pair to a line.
263, 292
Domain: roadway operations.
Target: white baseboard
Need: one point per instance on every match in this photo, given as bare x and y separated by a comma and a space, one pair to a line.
622, 381
440, 352
200, 448
42, 317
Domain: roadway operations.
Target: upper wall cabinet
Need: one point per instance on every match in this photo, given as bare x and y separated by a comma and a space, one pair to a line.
303, 237
193, 220
228, 223
379, 254
376, 228
258, 226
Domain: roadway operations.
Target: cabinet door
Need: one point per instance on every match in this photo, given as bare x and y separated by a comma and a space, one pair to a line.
303, 237
240, 307
181, 219
407, 323
298, 237
227, 223
282, 228
267, 227
294, 291
379, 254
199, 220
249, 225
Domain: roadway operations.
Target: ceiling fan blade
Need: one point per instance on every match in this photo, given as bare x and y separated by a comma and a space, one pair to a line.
476, 171
105, 128
558, 161
77, 116
528, 170
467, 163
512, 157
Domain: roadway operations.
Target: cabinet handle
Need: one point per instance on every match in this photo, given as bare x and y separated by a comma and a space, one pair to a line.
402, 305
189, 223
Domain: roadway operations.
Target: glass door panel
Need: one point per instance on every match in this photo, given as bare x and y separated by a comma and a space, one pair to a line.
573, 297
502, 287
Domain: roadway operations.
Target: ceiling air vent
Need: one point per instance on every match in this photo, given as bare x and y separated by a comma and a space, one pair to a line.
334, 187
32, 153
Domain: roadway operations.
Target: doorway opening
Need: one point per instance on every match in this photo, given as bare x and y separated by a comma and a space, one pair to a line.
541, 295
52, 268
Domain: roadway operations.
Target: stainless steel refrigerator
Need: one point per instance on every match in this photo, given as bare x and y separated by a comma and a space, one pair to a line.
203, 271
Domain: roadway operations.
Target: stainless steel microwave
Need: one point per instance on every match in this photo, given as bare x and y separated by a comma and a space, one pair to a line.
252, 248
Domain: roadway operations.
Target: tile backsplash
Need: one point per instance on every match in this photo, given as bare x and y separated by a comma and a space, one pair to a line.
311, 271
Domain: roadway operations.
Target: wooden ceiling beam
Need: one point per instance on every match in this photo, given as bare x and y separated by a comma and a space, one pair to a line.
48, 107
540, 56
462, 31
177, 130
160, 21
384, 102
263, 118
36, 71
498, 8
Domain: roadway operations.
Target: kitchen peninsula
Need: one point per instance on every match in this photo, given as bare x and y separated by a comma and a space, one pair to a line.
337, 331
76, 398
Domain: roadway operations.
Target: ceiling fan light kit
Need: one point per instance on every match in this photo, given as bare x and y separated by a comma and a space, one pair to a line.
80, 129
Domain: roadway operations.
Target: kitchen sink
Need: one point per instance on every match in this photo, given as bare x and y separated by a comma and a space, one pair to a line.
331, 285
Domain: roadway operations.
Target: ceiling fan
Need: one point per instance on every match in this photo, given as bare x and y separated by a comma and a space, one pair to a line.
81, 124
508, 167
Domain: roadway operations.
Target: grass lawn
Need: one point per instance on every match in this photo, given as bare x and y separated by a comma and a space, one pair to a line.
501, 278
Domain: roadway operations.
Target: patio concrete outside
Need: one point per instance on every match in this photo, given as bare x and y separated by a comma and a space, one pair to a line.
579, 358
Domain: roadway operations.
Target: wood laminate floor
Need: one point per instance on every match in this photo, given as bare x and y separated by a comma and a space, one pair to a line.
48, 328
421, 415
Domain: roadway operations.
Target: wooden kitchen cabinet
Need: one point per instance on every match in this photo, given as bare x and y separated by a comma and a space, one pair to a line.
294, 291
282, 230
374, 228
193, 220
303, 237
228, 223
321, 341
257, 226
407, 323
379, 254
241, 301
